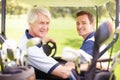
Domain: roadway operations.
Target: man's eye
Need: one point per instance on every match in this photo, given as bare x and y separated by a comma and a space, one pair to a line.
77, 23
84, 23
48, 23
41, 23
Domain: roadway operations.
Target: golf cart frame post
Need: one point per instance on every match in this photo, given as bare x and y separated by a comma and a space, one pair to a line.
90, 74
3, 21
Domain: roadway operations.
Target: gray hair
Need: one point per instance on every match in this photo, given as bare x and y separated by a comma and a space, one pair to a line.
32, 14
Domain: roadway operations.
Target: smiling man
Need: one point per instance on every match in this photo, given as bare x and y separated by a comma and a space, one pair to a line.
85, 28
38, 21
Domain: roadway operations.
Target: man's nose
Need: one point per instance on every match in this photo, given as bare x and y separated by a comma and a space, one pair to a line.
79, 26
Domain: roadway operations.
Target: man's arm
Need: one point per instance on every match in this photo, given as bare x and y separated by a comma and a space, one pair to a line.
64, 71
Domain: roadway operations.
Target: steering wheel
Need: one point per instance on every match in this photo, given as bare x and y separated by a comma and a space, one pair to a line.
50, 48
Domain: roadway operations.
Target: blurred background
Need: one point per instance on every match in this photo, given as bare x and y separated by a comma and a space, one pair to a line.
62, 26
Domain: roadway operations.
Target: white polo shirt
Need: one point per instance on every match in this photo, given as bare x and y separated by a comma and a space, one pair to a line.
36, 56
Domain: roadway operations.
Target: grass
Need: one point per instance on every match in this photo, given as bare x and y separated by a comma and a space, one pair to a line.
63, 30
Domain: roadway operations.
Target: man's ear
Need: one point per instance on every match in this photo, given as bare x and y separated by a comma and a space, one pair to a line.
93, 24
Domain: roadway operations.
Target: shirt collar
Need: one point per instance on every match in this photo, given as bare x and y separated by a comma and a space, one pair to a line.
90, 35
29, 36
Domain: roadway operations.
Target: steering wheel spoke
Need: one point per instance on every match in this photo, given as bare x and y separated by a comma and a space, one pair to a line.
50, 48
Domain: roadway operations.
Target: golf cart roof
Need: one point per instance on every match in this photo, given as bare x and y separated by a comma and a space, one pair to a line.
65, 3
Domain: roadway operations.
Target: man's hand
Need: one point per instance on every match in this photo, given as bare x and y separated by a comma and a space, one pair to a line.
70, 65
47, 38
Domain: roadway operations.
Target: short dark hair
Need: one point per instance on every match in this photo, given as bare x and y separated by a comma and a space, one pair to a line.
90, 16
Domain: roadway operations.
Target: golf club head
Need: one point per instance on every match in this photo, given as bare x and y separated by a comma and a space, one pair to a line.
9, 48
18, 54
70, 54
33, 42
9, 44
10, 54
23, 59
116, 58
73, 55
118, 29
11, 64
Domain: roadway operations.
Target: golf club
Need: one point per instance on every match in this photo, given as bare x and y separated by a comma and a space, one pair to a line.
10, 54
31, 42
70, 54
11, 57
1, 62
115, 61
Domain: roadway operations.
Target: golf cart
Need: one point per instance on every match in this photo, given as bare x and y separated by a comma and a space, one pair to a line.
89, 75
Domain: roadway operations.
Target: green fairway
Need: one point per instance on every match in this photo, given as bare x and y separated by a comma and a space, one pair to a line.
63, 30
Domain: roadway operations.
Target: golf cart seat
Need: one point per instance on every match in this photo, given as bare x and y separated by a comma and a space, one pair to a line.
104, 75
99, 75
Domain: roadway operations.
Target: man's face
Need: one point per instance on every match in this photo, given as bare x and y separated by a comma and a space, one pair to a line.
40, 27
84, 27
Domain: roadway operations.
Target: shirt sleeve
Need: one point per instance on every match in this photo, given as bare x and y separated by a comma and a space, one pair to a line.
88, 46
38, 59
